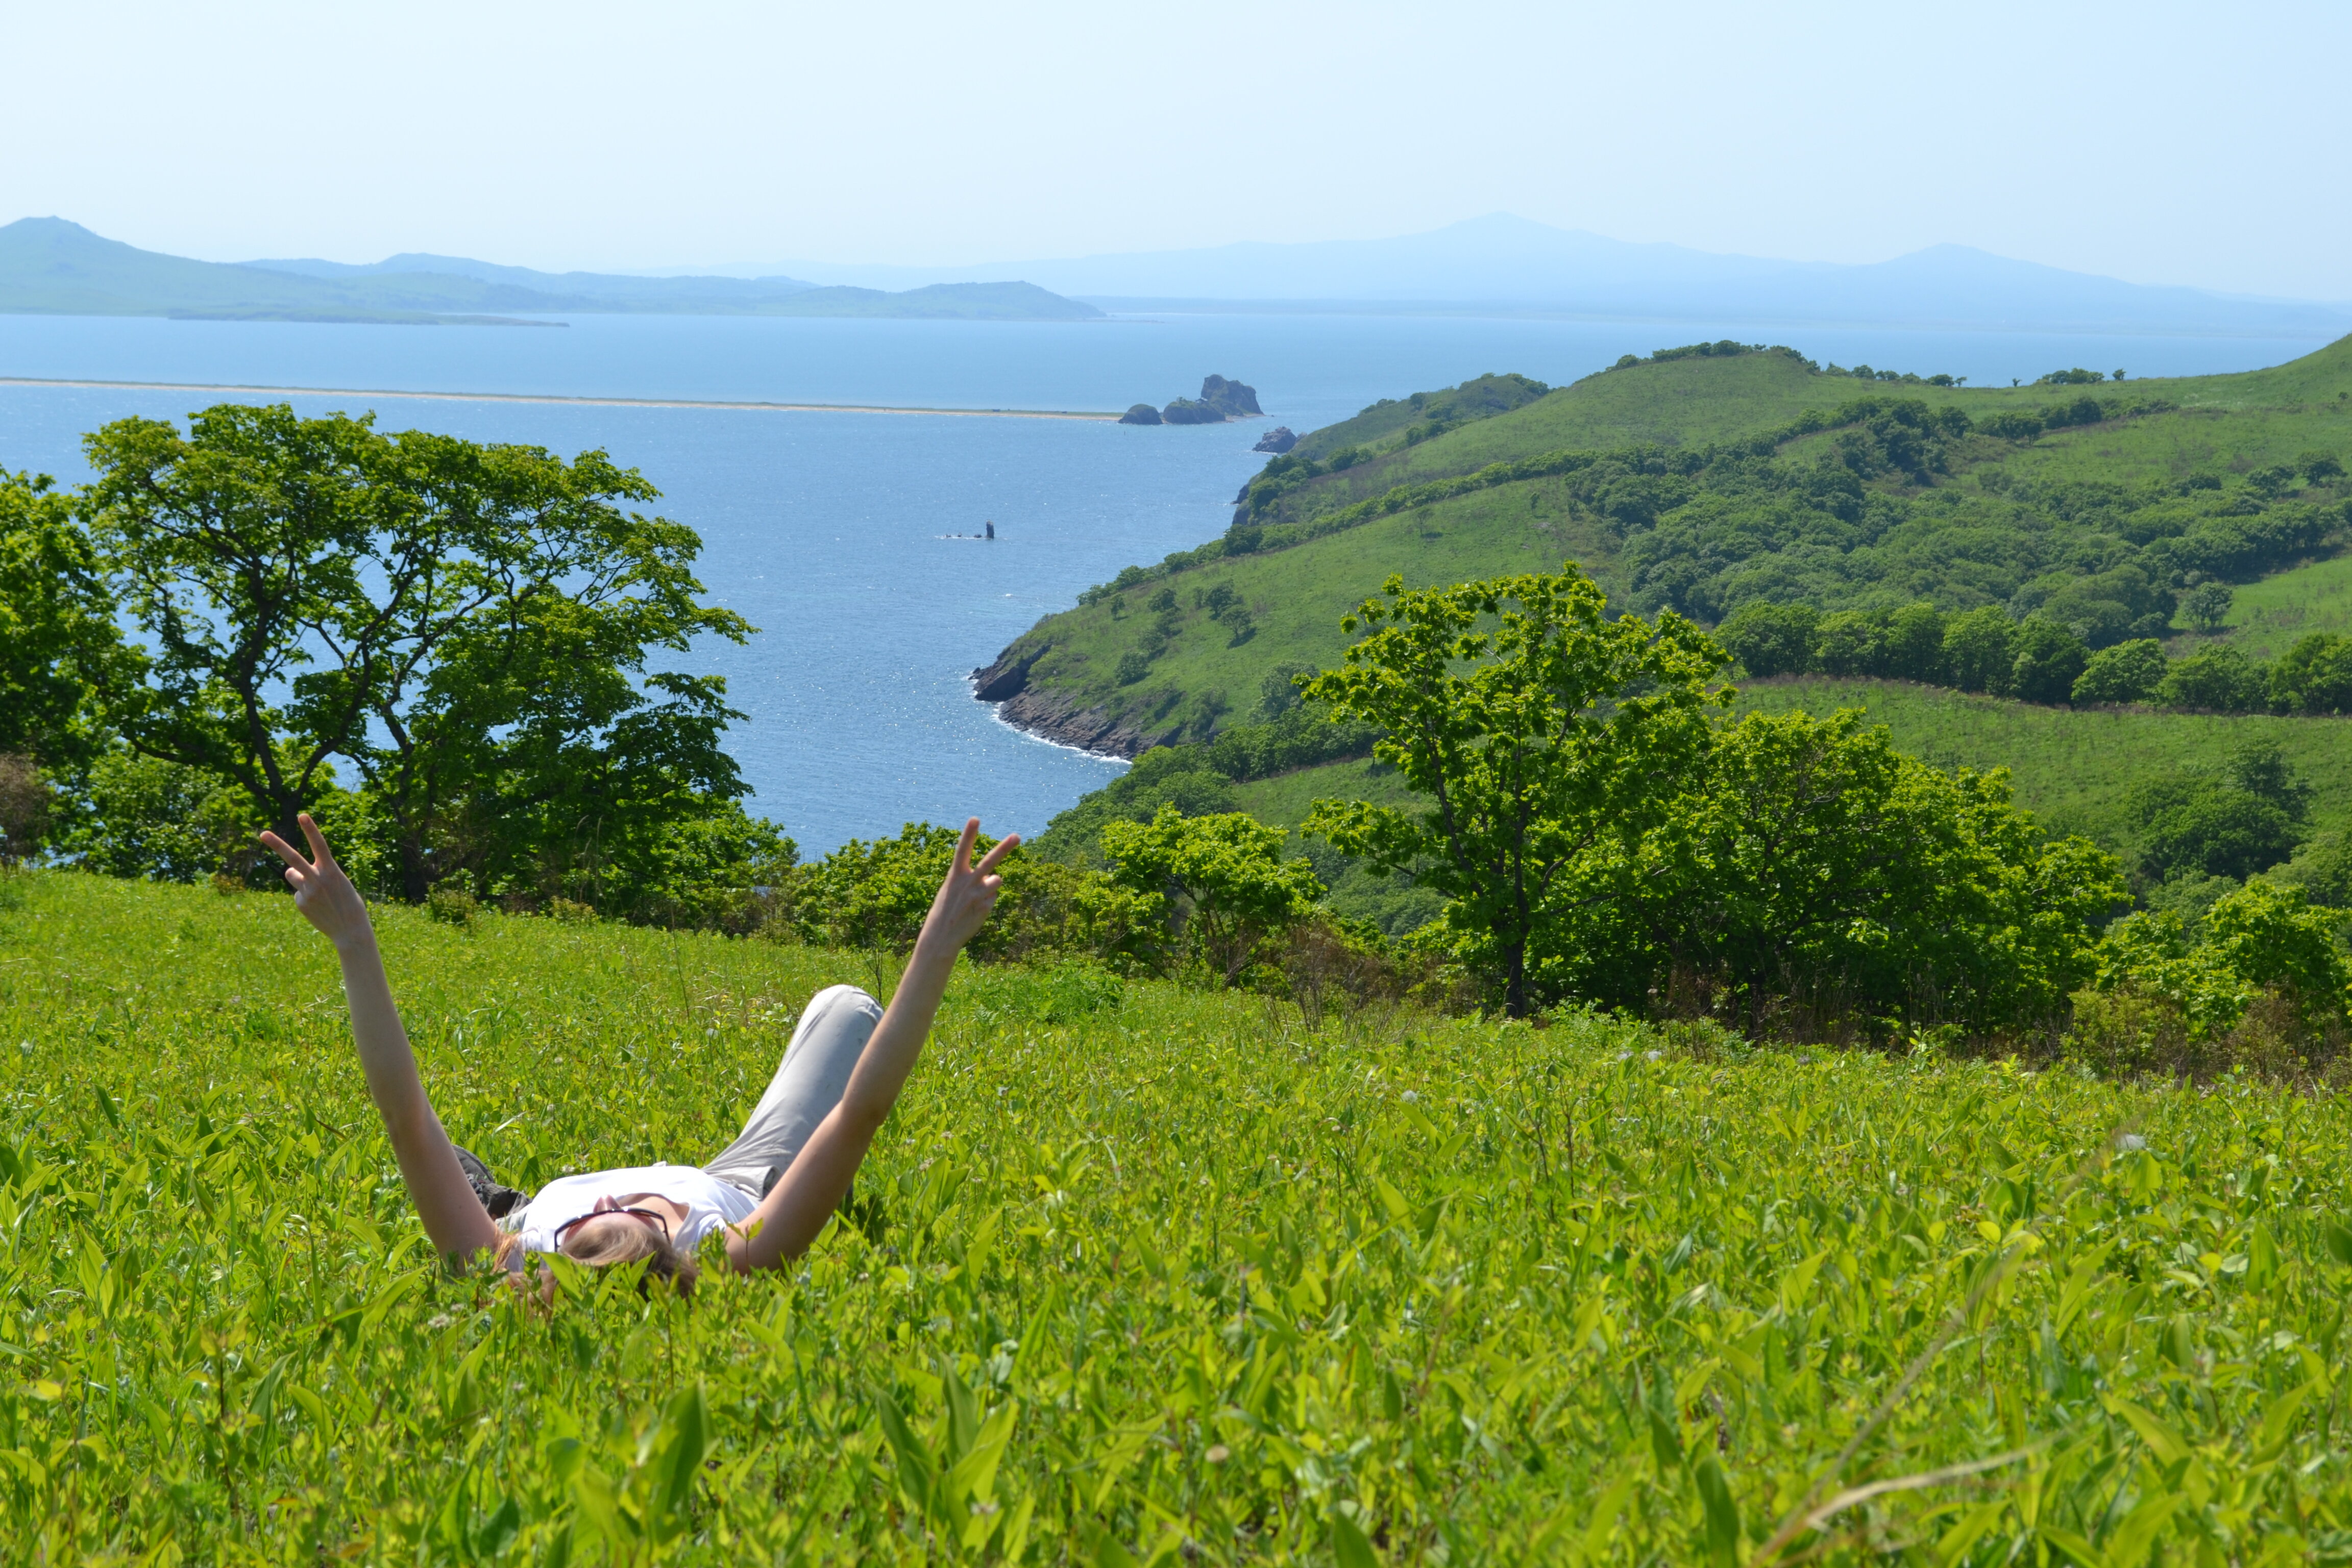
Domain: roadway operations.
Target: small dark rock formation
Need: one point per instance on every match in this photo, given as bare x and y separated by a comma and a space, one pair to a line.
1186, 411
1141, 414
1278, 440
1231, 397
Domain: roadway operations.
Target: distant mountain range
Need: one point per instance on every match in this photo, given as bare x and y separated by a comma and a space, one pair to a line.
1502, 262
51, 266
1488, 265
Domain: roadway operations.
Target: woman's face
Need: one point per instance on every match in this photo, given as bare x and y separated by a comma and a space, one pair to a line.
611, 1221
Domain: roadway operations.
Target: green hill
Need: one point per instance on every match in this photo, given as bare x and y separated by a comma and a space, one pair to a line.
1707, 479
51, 266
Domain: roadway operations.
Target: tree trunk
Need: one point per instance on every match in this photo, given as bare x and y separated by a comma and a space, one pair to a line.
413, 884
1514, 982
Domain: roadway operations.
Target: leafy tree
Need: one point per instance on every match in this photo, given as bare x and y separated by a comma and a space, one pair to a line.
2315, 675
1850, 642
2319, 466
1536, 728
2261, 769
1809, 862
2262, 936
1914, 644
2216, 680
2221, 833
2127, 673
59, 648
1768, 639
1229, 892
166, 822
2050, 658
467, 625
1980, 650
2206, 605
2323, 870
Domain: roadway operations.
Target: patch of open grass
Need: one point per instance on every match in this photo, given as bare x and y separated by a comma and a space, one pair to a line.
1134, 1273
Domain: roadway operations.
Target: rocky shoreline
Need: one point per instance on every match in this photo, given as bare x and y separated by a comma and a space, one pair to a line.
1051, 715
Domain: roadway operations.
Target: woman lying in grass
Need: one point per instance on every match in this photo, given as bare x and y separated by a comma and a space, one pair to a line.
771, 1190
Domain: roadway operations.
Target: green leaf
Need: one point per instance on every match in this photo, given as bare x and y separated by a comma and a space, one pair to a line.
1349, 1546
1666, 1438
1723, 1529
2166, 1444
2337, 1239
685, 1434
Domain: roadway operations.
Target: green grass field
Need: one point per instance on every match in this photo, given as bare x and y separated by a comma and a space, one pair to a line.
1139, 1276
2268, 617
2071, 768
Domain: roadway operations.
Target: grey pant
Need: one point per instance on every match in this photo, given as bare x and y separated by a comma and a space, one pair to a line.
809, 1082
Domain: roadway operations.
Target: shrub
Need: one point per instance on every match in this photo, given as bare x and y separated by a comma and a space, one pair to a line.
2049, 659
1812, 880
451, 904
1133, 666
2127, 673
1980, 650
2263, 939
2315, 675
2215, 681
1231, 897
1770, 639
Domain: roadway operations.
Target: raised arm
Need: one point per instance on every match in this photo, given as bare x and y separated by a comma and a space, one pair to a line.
794, 1213
454, 1218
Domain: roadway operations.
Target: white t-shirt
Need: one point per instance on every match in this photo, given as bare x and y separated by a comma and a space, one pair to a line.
709, 1202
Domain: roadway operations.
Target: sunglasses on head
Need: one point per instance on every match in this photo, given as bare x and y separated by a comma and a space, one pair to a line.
566, 1228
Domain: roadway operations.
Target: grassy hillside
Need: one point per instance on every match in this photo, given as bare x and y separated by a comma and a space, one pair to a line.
2099, 518
2267, 618
1135, 1274
2072, 767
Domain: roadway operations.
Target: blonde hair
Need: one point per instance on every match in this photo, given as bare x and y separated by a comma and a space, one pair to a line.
608, 1245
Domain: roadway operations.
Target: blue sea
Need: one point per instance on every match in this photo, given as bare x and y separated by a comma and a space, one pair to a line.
844, 536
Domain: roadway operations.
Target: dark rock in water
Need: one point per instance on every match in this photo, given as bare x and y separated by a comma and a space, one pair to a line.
1231, 397
1184, 411
1141, 414
1278, 440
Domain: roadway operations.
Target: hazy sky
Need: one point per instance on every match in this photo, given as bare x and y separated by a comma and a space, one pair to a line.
2205, 144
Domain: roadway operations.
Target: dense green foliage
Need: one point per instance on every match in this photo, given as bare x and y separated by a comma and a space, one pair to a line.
1805, 868
2043, 659
1537, 732
59, 646
1231, 894
1132, 1267
441, 647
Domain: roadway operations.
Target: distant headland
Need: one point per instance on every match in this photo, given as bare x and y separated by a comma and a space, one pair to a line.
51, 266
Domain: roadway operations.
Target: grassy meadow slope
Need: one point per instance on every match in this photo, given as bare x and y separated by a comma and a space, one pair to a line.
1964, 539
2073, 767
2268, 617
1134, 1273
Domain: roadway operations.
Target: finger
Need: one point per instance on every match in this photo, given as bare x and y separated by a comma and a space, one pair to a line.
964, 845
1004, 846
294, 880
320, 853
284, 852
